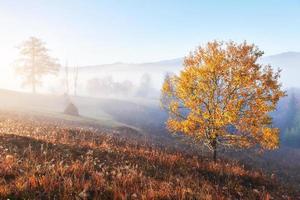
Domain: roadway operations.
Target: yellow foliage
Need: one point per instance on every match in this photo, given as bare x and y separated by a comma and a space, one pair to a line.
223, 95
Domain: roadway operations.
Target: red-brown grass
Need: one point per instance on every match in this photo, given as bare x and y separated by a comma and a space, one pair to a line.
50, 160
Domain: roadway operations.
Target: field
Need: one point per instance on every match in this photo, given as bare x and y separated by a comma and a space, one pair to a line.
46, 158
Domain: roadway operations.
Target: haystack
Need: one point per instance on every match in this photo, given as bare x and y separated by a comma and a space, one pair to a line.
71, 109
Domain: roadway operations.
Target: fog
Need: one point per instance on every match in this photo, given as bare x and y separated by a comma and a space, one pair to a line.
131, 80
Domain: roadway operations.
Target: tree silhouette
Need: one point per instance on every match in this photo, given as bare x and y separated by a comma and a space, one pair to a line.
223, 97
34, 62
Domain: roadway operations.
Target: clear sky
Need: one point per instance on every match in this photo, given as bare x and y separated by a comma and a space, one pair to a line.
87, 32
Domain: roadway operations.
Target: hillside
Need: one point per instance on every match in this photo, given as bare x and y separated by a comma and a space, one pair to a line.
134, 113
91, 110
48, 159
136, 120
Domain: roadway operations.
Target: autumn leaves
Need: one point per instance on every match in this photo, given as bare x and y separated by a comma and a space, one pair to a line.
223, 96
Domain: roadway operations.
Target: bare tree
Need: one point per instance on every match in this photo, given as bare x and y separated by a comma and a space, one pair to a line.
67, 78
75, 74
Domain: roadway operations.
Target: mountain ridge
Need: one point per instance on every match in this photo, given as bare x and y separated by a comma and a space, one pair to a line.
180, 59
288, 62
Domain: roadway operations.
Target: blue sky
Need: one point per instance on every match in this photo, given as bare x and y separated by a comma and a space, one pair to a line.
90, 32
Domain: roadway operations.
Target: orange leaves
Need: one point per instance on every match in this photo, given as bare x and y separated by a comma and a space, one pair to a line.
166, 88
270, 138
174, 107
222, 86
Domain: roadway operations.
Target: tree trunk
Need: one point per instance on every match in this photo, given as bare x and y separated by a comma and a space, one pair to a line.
33, 87
214, 146
33, 80
215, 154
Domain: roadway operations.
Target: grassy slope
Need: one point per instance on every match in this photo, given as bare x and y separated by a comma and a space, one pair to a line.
133, 113
48, 159
48, 108
53, 106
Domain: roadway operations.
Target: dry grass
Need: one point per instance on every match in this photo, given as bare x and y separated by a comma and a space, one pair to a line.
47, 160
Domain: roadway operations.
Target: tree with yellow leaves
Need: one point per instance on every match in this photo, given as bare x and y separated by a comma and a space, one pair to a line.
223, 97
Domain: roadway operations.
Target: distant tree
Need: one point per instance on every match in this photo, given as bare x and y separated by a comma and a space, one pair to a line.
107, 86
291, 128
145, 86
223, 97
75, 78
34, 62
67, 78
100, 86
291, 111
